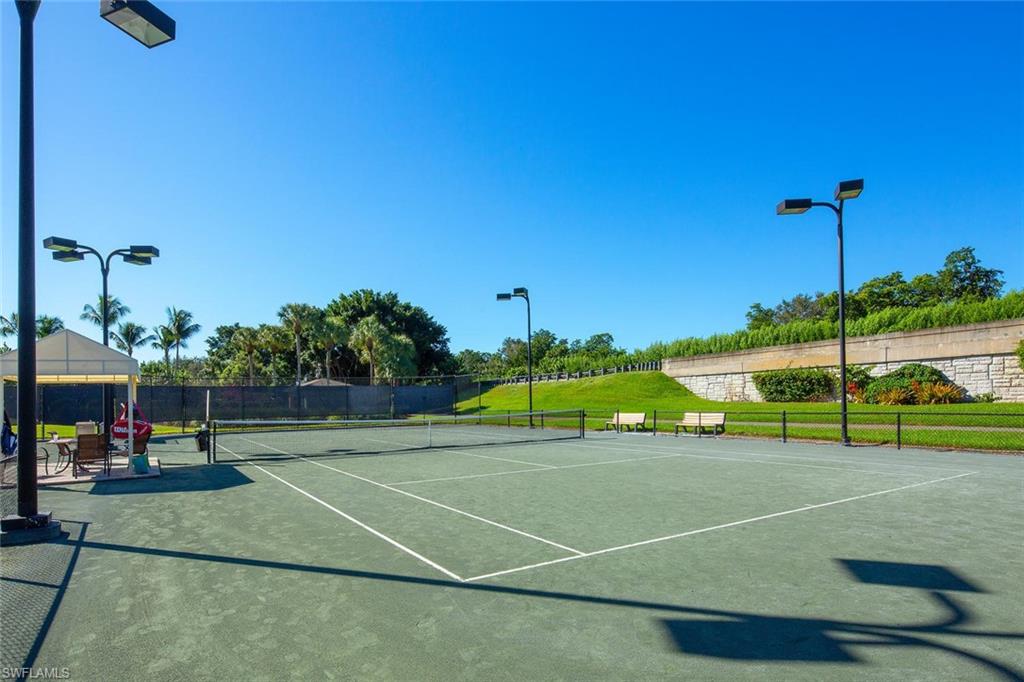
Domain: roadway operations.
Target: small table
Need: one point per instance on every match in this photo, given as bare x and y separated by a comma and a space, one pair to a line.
65, 452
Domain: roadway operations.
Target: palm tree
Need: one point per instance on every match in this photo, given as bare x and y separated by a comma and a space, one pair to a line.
329, 333
164, 341
130, 336
182, 328
248, 340
367, 337
48, 324
9, 325
45, 325
295, 317
273, 339
115, 311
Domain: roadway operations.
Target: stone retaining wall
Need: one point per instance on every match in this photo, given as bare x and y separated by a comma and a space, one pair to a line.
980, 358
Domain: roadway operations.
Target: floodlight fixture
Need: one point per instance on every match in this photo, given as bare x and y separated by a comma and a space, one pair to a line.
59, 244
137, 260
146, 251
140, 19
68, 256
504, 297
520, 291
793, 206
849, 189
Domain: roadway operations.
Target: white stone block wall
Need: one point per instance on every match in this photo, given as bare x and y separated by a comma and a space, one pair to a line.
998, 374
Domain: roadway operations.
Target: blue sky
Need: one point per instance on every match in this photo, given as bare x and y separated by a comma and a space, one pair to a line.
622, 161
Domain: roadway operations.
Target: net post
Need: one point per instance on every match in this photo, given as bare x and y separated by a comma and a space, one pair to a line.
542, 420
508, 414
899, 432
583, 424
654, 431
212, 455
783, 426
700, 425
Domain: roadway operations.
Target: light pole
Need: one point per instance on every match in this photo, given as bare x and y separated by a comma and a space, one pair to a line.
847, 189
521, 292
151, 27
70, 251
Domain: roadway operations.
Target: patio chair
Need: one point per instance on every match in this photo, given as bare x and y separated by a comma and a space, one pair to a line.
92, 447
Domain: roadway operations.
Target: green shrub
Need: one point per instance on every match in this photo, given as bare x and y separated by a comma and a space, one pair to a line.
907, 377
937, 394
897, 395
795, 385
985, 398
1020, 353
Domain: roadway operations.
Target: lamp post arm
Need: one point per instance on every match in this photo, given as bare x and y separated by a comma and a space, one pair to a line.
838, 210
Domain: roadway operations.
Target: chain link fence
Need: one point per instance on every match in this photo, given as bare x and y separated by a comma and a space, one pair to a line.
185, 403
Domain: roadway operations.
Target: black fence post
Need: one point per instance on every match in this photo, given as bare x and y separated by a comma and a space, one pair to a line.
783, 426
212, 454
583, 424
899, 432
183, 405
654, 431
542, 420
508, 417
700, 425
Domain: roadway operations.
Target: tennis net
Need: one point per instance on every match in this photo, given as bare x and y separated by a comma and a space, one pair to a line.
234, 439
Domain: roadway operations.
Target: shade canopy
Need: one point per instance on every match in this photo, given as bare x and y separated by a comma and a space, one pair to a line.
67, 357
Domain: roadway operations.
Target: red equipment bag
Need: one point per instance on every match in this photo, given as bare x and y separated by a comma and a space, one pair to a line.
139, 424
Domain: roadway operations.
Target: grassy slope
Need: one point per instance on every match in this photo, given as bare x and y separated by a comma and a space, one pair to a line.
646, 391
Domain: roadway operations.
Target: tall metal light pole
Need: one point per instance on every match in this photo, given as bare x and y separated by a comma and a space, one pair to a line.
521, 292
847, 189
151, 27
70, 251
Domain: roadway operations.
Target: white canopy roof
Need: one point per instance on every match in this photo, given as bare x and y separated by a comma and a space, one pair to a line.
70, 358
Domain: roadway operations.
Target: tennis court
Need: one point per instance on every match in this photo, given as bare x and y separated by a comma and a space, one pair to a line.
439, 549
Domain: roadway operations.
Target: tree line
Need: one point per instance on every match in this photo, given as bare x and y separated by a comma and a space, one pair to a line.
364, 334
126, 335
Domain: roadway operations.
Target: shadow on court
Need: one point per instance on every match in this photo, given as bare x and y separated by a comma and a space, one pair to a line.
176, 478
713, 633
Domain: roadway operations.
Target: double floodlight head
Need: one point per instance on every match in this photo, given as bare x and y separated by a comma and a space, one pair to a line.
518, 292
847, 189
139, 19
67, 251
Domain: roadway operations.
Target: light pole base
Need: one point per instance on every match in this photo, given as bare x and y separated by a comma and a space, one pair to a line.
22, 530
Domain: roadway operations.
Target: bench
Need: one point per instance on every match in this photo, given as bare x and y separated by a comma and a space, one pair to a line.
636, 420
701, 421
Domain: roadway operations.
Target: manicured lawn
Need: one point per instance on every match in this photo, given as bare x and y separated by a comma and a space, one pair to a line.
647, 391
982, 426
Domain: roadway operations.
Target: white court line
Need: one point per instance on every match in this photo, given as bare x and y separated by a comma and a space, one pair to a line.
814, 457
718, 527
457, 452
356, 521
746, 460
423, 499
676, 453
525, 471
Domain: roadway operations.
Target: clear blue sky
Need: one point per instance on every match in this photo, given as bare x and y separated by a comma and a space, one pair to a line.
622, 161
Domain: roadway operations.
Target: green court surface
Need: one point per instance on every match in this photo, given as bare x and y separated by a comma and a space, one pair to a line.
614, 556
